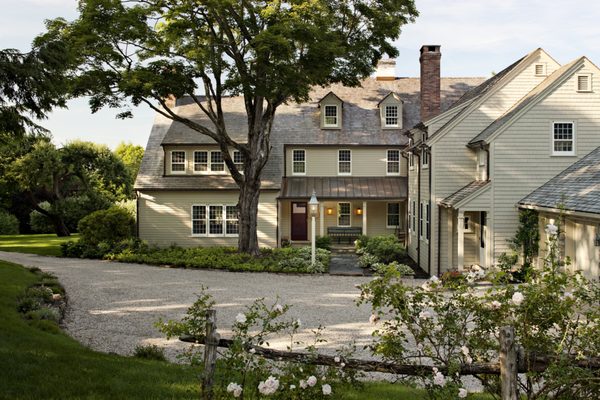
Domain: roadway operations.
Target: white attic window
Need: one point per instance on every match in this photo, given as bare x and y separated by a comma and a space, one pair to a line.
584, 82
390, 111
540, 69
331, 111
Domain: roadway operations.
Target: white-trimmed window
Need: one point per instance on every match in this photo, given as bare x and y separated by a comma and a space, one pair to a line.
344, 162
201, 161
421, 220
563, 139
584, 82
425, 158
298, 162
178, 162
344, 214
232, 222
393, 162
331, 116
391, 116
411, 161
414, 216
428, 220
216, 161
540, 69
198, 220
393, 215
215, 220
238, 160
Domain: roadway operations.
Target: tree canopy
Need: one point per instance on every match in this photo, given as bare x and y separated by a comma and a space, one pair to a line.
268, 51
131, 156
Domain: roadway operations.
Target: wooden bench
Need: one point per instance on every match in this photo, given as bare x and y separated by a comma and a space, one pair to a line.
342, 232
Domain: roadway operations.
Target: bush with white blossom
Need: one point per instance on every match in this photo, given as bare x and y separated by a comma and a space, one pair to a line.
555, 314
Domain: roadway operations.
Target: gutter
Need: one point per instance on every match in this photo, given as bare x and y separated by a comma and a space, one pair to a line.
419, 208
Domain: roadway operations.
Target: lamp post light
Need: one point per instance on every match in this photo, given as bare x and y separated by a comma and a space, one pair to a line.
313, 208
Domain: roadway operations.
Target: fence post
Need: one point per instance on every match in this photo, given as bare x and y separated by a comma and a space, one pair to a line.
210, 354
508, 363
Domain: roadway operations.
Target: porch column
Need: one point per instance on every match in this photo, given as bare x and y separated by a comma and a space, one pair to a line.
461, 240
321, 219
364, 222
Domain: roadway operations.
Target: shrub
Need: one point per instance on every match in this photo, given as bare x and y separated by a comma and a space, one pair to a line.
9, 224
386, 248
453, 278
43, 313
396, 267
149, 352
323, 242
367, 260
110, 226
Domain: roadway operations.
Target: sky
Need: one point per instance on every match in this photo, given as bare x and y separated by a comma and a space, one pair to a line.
477, 38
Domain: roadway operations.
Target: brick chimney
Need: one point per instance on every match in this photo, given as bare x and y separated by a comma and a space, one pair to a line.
430, 81
386, 70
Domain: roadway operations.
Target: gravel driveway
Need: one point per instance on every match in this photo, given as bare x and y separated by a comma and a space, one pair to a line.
113, 306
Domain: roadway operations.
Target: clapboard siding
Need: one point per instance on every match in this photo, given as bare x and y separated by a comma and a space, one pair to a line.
522, 156
165, 217
323, 161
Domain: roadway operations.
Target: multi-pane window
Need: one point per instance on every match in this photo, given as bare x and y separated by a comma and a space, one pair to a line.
200, 161
215, 220
299, 162
393, 162
343, 214
198, 220
428, 222
238, 160
331, 116
232, 224
178, 161
344, 162
391, 116
563, 138
414, 216
425, 158
393, 215
216, 161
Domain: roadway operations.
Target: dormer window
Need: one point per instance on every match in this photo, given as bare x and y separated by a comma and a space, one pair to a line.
331, 111
540, 69
178, 162
331, 116
584, 82
390, 110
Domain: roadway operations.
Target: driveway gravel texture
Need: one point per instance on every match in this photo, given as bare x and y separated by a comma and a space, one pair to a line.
113, 307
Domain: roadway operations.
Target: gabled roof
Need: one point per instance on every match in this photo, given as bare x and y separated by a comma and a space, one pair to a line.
492, 84
577, 188
464, 193
392, 94
330, 94
538, 93
294, 124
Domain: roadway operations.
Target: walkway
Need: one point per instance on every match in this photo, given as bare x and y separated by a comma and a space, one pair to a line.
113, 306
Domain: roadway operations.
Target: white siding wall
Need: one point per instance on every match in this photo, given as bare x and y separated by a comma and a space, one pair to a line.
522, 154
165, 217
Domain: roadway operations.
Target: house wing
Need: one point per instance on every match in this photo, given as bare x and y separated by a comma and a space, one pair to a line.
577, 188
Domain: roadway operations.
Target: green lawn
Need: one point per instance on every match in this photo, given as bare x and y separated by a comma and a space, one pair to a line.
45, 245
37, 364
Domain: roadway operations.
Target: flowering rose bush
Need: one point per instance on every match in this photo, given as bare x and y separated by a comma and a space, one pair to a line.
251, 376
555, 315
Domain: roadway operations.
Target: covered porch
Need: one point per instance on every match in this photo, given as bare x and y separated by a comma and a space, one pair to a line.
465, 219
348, 207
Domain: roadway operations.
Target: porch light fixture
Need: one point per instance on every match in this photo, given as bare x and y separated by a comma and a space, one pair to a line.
313, 208
359, 211
330, 211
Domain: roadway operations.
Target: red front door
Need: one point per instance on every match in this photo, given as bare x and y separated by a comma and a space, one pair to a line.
299, 223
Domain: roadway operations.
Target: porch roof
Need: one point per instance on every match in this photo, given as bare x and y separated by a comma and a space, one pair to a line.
463, 193
337, 187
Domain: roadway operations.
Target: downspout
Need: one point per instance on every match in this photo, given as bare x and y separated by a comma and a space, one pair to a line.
429, 213
439, 247
137, 214
419, 208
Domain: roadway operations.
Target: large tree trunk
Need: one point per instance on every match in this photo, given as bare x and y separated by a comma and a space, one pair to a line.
59, 226
248, 209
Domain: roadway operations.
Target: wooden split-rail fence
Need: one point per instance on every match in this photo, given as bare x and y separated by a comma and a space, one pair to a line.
510, 362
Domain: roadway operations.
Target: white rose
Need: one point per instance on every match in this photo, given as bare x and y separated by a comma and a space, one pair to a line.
253, 350
311, 381
495, 304
517, 298
303, 384
269, 386
292, 387
336, 359
240, 318
235, 389
326, 389
439, 379
551, 229
462, 393
465, 350
298, 323
279, 308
